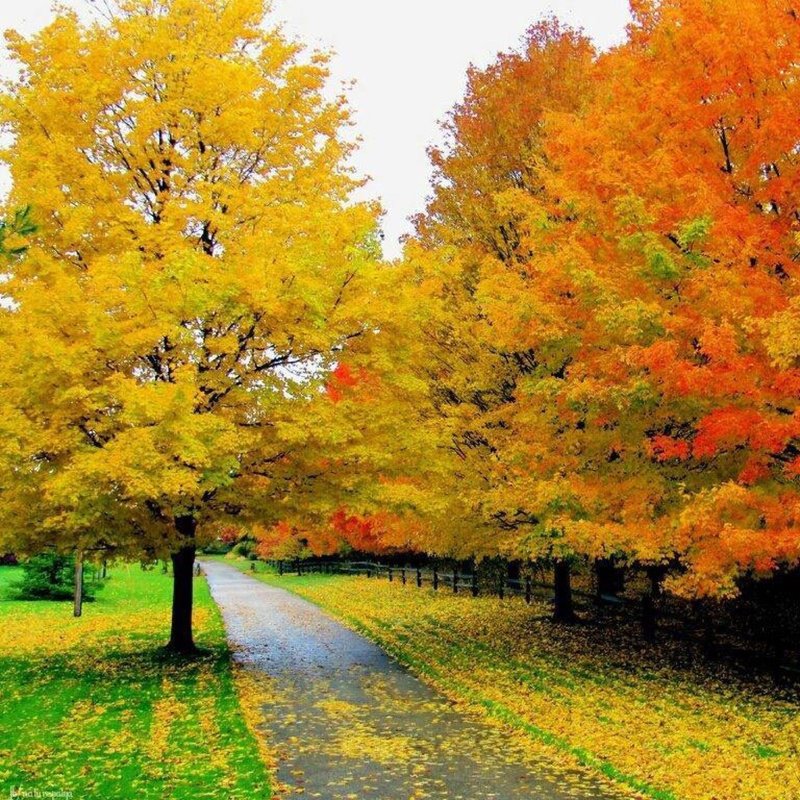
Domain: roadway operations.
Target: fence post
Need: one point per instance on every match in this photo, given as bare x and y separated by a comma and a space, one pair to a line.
419, 578
391, 577
474, 583
403, 575
528, 589
455, 581
435, 579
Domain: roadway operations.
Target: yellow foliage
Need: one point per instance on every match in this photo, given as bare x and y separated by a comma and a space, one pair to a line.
199, 268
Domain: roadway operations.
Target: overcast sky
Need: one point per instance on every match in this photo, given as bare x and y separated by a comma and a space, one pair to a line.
409, 61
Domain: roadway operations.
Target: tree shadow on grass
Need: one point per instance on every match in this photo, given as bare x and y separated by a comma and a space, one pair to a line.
137, 716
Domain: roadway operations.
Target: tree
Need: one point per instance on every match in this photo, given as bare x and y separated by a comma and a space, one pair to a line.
504, 320
687, 171
198, 270
608, 264
51, 576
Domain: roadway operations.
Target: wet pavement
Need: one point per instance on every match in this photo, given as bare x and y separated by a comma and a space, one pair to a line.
348, 723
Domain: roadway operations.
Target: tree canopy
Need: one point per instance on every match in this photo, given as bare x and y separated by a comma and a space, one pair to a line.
587, 351
605, 296
198, 270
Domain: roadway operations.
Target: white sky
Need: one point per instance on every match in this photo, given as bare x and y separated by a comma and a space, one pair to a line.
409, 61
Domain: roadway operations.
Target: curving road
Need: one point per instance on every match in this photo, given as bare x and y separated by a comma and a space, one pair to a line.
348, 723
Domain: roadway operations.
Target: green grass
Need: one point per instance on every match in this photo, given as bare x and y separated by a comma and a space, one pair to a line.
93, 706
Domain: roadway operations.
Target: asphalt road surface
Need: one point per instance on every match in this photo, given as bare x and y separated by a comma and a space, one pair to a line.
348, 723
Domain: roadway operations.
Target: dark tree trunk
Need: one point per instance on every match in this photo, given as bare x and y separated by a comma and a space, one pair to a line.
563, 610
656, 575
649, 612
709, 634
606, 578
180, 639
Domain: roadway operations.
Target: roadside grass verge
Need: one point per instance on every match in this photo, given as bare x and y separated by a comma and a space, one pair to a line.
94, 706
665, 733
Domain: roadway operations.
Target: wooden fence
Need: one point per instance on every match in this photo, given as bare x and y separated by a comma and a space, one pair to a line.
674, 622
464, 582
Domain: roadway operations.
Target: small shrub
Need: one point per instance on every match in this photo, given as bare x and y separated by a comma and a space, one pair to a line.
51, 576
245, 548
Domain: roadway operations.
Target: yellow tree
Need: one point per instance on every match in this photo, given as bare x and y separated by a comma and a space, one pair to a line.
198, 270
505, 319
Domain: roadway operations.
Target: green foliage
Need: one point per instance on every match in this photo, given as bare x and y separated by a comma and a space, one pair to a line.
660, 264
217, 547
245, 548
20, 225
694, 231
51, 576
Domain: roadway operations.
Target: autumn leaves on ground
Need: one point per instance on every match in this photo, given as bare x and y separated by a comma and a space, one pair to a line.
663, 733
93, 706
586, 361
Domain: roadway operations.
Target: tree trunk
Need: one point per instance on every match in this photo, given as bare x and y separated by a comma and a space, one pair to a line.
563, 610
78, 607
709, 638
180, 639
649, 622
655, 574
606, 578
649, 612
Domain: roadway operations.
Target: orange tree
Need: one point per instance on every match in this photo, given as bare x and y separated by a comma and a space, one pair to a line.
607, 265
504, 319
685, 173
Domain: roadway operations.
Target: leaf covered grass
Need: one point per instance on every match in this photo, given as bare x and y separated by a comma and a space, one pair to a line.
95, 707
665, 733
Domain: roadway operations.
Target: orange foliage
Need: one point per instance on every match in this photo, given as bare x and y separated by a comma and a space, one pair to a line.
689, 171
619, 237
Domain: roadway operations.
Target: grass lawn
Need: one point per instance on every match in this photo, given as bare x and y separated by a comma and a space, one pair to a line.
92, 706
666, 733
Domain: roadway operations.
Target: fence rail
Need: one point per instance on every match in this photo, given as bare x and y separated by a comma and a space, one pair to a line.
713, 636
465, 582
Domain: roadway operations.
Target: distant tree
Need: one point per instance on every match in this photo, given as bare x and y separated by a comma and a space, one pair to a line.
499, 312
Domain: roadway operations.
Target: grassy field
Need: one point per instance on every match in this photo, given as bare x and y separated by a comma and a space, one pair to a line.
92, 706
666, 733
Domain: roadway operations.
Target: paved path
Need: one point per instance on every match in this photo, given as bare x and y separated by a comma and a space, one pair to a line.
348, 723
